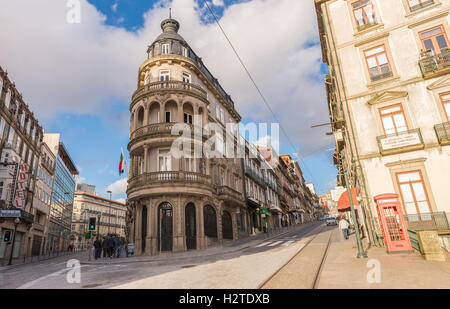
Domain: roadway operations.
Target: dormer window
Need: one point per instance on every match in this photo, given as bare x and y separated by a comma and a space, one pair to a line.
184, 51
165, 49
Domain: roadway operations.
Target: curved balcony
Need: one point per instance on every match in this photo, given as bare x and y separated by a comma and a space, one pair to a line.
158, 178
169, 86
158, 129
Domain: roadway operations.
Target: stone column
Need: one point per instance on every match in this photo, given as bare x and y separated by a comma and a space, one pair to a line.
162, 116
146, 111
145, 158
138, 228
180, 113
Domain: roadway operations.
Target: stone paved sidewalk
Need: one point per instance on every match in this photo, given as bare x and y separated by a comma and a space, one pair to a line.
342, 270
227, 247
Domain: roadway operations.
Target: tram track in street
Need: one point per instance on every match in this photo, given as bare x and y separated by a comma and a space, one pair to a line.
307, 279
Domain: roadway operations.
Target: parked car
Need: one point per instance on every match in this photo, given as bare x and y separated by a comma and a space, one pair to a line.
331, 221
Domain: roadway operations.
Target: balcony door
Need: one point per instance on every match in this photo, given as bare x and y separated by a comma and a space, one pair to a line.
164, 76
414, 195
164, 164
434, 40
393, 119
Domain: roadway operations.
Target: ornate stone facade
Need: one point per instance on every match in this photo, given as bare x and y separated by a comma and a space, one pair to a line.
177, 204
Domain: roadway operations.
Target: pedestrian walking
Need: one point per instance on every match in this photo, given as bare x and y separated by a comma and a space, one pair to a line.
343, 225
98, 248
116, 246
110, 247
105, 247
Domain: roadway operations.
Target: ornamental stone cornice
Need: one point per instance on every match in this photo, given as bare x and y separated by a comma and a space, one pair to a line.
387, 96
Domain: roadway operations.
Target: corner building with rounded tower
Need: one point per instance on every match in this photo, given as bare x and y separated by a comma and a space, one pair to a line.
179, 204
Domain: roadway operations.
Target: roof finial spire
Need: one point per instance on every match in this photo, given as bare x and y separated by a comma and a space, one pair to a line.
170, 13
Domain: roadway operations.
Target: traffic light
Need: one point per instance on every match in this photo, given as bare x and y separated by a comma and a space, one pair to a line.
7, 236
92, 224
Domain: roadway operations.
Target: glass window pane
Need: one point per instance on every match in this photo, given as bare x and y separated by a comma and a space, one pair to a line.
447, 109
406, 193
400, 122
382, 59
388, 123
415, 176
419, 192
372, 63
430, 33
375, 51
442, 42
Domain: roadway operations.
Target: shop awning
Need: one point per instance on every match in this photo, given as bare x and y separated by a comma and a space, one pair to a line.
344, 202
251, 202
275, 208
265, 211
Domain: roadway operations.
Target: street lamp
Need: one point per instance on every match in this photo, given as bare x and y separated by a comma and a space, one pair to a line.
109, 220
16, 223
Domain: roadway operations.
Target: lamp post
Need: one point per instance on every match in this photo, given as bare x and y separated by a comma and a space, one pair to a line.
109, 219
16, 223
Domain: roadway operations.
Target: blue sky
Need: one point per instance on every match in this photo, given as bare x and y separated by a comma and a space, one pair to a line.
94, 125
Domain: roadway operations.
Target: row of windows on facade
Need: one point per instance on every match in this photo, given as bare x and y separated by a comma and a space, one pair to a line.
393, 117
434, 42
365, 16
23, 118
255, 191
164, 75
81, 207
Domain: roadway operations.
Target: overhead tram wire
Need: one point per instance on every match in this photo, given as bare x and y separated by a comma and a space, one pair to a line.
257, 88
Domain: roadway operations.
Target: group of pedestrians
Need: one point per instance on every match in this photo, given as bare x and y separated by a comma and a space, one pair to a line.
110, 246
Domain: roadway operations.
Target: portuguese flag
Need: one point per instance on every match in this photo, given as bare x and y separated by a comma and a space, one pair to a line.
122, 163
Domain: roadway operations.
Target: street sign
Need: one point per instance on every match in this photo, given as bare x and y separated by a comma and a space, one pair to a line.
8, 213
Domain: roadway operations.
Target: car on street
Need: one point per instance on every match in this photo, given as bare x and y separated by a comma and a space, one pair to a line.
331, 221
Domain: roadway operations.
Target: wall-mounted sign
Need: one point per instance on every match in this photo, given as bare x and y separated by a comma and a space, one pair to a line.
22, 178
399, 141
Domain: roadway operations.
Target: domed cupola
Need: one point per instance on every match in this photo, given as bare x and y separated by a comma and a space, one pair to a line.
170, 36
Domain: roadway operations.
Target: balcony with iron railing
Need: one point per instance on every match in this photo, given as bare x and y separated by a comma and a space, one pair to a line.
254, 175
433, 65
443, 133
421, 5
400, 142
156, 129
375, 77
433, 221
163, 178
229, 193
170, 86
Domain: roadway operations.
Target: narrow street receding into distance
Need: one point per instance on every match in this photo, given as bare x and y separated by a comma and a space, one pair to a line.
248, 264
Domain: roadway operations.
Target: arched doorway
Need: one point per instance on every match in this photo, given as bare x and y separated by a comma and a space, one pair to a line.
165, 227
191, 230
210, 221
227, 226
144, 227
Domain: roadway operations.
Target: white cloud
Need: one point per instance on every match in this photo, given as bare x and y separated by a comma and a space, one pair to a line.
118, 188
114, 7
122, 200
79, 68
218, 2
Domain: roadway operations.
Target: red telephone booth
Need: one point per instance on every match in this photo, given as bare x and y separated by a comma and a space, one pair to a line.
392, 222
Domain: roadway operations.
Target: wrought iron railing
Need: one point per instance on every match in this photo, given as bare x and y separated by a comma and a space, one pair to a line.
427, 221
172, 176
431, 63
380, 76
421, 5
443, 132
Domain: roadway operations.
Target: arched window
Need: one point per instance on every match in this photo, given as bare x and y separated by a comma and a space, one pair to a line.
210, 221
